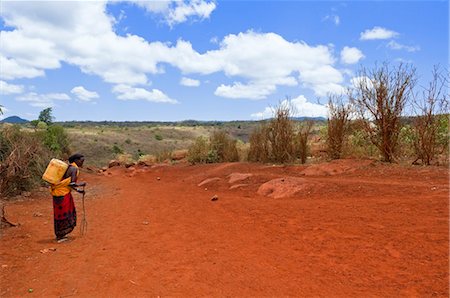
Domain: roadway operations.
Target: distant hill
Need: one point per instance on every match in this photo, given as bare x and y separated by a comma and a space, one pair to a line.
13, 119
309, 118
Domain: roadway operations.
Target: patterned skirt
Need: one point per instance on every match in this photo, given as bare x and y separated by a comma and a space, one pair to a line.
65, 215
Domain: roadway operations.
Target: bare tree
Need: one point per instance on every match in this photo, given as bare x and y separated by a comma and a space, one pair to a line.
380, 96
430, 109
338, 124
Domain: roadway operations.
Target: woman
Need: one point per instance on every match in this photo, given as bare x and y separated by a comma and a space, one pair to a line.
65, 215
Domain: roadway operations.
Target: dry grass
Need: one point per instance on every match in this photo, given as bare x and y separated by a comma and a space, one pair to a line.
100, 144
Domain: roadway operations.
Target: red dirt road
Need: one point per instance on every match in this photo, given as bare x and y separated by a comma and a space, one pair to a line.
368, 229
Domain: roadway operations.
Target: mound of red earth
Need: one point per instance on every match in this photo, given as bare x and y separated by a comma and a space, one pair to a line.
286, 187
336, 167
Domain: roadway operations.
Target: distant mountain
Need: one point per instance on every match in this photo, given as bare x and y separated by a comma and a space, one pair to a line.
13, 119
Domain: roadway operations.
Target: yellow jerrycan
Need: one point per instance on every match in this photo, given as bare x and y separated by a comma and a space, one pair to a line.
55, 171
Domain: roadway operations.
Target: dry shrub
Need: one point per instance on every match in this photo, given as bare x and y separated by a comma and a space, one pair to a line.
278, 140
124, 158
223, 147
243, 150
198, 151
219, 148
281, 134
23, 160
430, 127
147, 159
304, 130
380, 97
164, 155
259, 150
338, 124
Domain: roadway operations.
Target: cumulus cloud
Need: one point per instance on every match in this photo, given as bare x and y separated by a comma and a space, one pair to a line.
84, 37
189, 82
301, 107
6, 89
397, 46
125, 92
377, 33
351, 55
43, 100
82, 94
11, 69
175, 12
249, 91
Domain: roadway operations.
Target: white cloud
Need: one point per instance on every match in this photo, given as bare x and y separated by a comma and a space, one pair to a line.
357, 81
175, 12
125, 92
11, 69
301, 107
397, 46
351, 55
377, 33
189, 82
6, 89
333, 18
82, 94
250, 91
42, 100
84, 37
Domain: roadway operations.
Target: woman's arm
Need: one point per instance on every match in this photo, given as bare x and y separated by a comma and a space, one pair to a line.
73, 179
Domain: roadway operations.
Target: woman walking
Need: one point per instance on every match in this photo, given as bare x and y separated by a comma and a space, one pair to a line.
64, 212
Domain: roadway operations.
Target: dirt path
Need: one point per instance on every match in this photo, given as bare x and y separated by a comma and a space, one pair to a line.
376, 230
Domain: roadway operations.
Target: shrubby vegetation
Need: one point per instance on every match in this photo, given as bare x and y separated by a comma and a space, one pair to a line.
220, 147
25, 153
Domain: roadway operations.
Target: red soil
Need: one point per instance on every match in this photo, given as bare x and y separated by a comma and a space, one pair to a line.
368, 229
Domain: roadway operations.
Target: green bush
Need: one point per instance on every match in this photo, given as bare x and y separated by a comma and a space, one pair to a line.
55, 138
117, 150
158, 137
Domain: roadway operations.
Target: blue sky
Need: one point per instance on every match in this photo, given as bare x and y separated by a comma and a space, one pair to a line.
201, 59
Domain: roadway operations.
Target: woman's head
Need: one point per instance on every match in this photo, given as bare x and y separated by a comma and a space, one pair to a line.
77, 158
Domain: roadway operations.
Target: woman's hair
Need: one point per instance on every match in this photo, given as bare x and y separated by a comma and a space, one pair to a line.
75, 157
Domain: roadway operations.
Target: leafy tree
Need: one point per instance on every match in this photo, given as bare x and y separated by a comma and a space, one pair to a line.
46, 116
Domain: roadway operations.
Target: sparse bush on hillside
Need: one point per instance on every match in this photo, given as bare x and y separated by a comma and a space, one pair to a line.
117, 150
219, 148
198, 151
158, 137
338, 123
23, 158
224, 147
